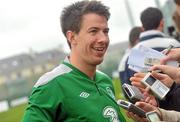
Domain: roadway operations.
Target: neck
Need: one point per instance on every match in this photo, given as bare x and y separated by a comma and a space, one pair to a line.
84, 67
160, 29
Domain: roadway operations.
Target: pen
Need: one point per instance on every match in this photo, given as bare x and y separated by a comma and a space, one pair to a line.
157, 71
168, 49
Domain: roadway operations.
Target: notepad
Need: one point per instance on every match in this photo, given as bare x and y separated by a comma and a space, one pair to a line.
142, 58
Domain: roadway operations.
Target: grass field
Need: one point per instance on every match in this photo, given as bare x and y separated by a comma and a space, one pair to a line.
15, 114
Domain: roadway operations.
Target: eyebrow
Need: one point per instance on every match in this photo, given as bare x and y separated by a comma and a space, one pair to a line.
97, 28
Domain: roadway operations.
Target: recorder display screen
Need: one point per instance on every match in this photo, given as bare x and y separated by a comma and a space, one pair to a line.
150, 80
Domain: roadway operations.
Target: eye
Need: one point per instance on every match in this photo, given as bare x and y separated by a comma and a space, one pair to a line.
93, 31
106, 31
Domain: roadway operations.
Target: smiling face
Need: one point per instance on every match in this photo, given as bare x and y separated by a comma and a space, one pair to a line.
90, 44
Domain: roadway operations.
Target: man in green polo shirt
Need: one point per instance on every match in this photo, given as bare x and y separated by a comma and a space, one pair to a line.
76, 91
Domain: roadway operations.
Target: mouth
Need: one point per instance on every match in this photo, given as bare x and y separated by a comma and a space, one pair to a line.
99, 48
99, 51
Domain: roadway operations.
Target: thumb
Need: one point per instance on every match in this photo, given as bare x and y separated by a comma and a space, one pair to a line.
147, 89
140, 104
157, 75
158, 67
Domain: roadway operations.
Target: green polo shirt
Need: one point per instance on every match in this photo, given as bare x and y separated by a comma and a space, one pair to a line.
68, 95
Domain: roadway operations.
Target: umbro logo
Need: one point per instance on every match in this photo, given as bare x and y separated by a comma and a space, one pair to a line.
84, 94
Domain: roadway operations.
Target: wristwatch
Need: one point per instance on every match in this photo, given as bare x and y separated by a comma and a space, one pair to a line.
153, 116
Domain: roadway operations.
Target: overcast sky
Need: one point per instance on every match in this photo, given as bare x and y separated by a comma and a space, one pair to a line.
26, 24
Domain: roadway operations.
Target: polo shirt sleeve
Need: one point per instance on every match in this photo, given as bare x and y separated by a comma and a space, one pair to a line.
43, 104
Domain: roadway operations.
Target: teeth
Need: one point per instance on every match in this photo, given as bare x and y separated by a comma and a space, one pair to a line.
99, 48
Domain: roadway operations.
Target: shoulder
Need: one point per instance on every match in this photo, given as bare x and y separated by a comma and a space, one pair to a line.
173, 42
159, 42
50, 76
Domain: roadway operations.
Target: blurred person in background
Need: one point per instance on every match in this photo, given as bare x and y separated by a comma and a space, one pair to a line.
75, 91
153, 36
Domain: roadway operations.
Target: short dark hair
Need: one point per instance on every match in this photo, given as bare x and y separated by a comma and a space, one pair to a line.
134, 35
177, 2
71, 17
151, 18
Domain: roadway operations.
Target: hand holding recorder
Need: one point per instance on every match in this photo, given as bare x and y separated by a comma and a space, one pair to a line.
131, 108
156, 86
133, 93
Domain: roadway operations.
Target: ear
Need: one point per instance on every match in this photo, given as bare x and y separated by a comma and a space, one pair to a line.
162, 23
142, 28
71, 37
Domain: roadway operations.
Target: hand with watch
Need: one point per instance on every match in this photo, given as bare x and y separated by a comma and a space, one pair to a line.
153, 114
